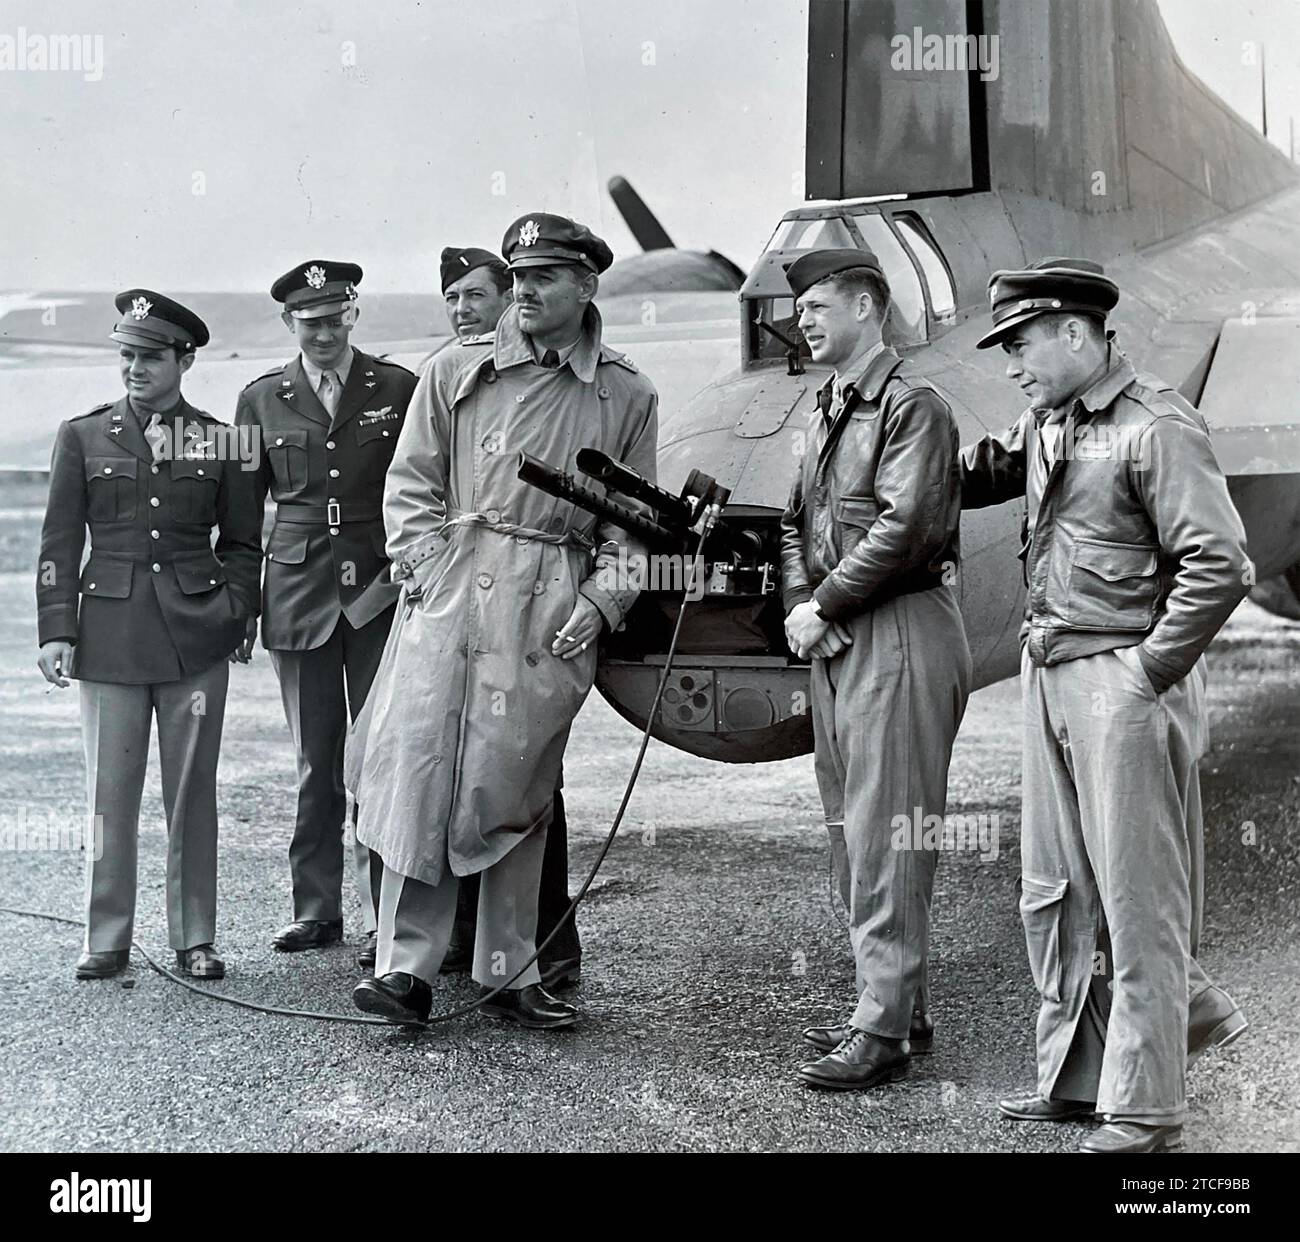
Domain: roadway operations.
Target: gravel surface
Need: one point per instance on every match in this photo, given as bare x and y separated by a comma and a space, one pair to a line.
710, 941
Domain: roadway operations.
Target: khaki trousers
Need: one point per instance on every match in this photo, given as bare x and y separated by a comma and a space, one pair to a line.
1112, 846
415, 919
885, 713
116, 721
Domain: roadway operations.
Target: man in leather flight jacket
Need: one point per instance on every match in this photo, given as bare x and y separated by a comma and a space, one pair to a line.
1134, 557
869, 555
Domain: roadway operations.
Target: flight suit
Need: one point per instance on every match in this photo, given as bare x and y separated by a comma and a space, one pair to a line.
871, 534
327, 602
160, 612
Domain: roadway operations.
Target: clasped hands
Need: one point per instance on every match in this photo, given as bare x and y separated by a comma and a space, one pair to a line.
810, 635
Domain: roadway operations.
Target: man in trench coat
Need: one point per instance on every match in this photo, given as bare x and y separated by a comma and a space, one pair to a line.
1134, 557
477, 289
456, 756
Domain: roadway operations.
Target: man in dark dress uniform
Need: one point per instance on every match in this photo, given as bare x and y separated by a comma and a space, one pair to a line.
328, 423
160, 613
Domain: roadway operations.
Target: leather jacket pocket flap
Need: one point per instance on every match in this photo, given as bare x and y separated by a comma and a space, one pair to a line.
1115, 561
1040, 911
195, 577
107, 577
287, 547
859, 511
111, 468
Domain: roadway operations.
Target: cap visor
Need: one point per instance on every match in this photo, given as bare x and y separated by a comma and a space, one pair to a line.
145, 340
548, 260
1005, 328
320, 310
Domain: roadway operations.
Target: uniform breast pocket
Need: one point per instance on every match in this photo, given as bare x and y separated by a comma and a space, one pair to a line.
287, 453
377, 437
1113, 586
193, 495
110, 488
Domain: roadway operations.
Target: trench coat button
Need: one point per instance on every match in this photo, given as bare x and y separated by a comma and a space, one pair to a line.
521, 539
329, 444
279, 440
538, 587
491, 442
493, 515
153, 534
334, 474
157, 568
153, 500
519, 400
485, 581
436, 758
602, 391
334, 530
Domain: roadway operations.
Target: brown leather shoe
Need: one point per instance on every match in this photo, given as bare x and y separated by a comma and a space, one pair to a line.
532, 1007
201, 962
103, 965
308, 934
1213, 1021
1130, 1138
397, 996
920, 1038
861, 1061
1035, 1108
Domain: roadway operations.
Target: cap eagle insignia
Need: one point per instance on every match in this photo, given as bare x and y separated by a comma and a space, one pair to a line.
529, 234
140, 308
315, 276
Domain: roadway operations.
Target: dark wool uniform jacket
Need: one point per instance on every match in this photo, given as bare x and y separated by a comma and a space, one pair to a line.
876, 502
157, 602
325, 555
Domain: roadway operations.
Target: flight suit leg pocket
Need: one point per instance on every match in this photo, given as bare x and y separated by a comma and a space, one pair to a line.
1042, 907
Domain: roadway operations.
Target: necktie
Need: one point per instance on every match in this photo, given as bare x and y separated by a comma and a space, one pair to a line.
155, 436
551, 359
329, 392
1049, 438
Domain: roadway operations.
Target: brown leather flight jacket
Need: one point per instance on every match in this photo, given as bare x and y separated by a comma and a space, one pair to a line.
876, 502
1135, 540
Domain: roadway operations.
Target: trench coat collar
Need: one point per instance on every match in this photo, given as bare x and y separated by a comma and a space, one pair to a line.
514, 346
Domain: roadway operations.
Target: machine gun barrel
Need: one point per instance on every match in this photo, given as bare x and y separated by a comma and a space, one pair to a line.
562, 485
676, 510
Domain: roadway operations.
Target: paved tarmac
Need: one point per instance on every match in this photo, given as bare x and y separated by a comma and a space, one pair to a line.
710, 940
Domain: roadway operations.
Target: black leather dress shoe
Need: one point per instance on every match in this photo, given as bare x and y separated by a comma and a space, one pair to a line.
308, 934
103, 965
399, 997
920, 1038
533, 1007
861, 1061
1213, 1021
201, 962
1128, 1138
368, 951
1034, 1108
565, 972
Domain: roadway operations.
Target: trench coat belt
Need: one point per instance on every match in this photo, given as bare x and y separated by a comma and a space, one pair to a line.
332, 514
405, 568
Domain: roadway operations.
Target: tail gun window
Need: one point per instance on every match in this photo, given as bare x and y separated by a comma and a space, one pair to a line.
906, 321
943, 301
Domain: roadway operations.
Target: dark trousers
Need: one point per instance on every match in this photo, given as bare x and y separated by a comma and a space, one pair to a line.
552, 900
321, 689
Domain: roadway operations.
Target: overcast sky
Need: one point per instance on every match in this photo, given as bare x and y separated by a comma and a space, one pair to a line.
227, 139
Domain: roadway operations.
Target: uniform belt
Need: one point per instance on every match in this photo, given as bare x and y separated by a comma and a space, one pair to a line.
333, 514
204, 553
